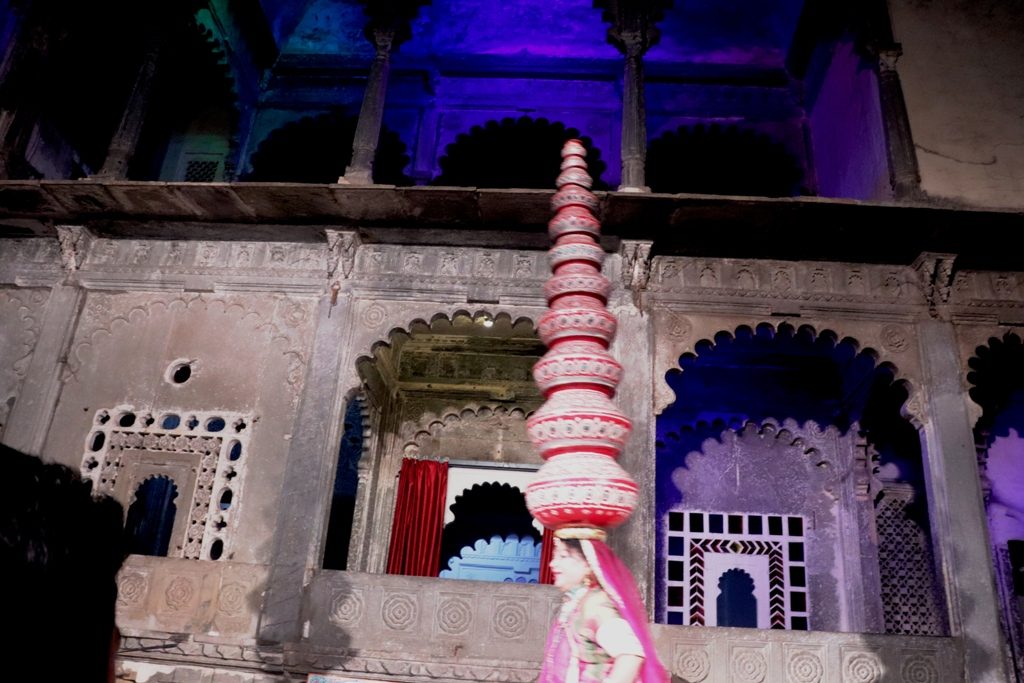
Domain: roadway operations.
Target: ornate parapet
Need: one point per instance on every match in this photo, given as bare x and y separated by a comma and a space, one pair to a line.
184, 614
697, 654
407, 628
216, 602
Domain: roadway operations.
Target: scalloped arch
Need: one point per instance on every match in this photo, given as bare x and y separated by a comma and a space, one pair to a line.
442, 323
513, 152
996, 375
910, 409
317, 148
435, 425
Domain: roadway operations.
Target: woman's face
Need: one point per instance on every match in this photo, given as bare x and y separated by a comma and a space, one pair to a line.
568, 567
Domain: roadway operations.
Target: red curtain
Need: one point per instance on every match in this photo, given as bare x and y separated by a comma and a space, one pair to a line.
547, 546
419, 518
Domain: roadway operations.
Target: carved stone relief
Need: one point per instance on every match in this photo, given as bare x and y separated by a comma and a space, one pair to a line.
294, 266
35, 261
182, 596
484, 432
680, 278
517, 274
283, 323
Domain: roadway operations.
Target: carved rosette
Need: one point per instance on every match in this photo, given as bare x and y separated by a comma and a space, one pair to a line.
579, 430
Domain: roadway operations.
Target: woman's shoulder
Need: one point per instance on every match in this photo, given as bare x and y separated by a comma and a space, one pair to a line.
597, 605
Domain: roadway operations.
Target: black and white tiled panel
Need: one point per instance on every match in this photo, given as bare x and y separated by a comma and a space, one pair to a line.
780, 537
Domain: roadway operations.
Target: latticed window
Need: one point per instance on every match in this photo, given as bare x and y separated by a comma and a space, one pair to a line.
910, 600
201, 170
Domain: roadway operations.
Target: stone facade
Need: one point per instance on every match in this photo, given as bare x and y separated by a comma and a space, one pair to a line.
211, 335
255, 337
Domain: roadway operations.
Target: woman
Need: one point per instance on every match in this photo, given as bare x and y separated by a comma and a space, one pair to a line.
600, 634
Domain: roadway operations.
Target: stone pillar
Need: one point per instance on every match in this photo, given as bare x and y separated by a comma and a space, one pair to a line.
957, 510
384, 488
633, 347
904, 176
371, 114
126, 137
633, 31
308, 480
30, 418
634, 115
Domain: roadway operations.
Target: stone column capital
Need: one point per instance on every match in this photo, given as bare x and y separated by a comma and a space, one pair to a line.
383, 40
888, 56
632, 43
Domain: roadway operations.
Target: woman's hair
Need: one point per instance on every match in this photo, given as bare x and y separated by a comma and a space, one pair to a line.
574, 546
60, 549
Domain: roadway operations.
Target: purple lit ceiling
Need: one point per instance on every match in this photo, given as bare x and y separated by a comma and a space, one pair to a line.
748, 33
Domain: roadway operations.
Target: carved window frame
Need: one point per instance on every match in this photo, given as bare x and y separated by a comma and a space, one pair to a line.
202, 460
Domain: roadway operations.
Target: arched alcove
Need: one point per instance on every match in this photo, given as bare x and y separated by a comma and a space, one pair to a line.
723, 159
150, 518
484, 511
523, 152
996, 377
317, 149
736, 602
453, 386
837, 436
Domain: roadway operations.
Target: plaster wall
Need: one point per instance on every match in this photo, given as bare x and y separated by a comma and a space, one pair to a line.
846, 126
21, 312
962, 72
248, 354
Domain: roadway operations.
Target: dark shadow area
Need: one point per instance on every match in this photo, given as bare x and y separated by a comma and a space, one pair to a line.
346, 483
523, 152
719, 159
317, 149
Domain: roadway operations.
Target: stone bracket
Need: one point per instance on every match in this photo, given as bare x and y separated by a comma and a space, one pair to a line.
936, 275
636, 267
74, 244
342, 246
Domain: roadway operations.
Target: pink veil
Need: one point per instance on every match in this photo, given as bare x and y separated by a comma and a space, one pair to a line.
617, 582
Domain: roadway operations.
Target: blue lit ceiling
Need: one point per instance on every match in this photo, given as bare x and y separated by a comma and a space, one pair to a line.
746, 33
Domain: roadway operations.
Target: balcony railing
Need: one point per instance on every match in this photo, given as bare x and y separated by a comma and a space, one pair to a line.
395, 628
